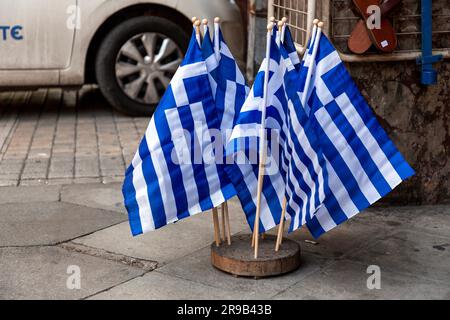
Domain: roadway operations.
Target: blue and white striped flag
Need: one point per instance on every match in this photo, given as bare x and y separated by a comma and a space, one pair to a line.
170, 177
294, 165
244, 142
307, 177
363, 164
288, 44
227, 81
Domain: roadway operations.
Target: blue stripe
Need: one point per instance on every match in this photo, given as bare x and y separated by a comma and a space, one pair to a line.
398, 162
364, 157
342, 170
153, 191
194, 53
187, 122
347, 85
129, 195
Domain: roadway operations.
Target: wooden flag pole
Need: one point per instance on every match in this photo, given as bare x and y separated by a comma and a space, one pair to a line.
205, 26
226, 230
216, 38
262, 141
216, 226
280, 28
215, 214
198, 35
283, 29
227, 223
281, 226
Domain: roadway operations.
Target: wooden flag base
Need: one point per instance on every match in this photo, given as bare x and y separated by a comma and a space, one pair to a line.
238, 259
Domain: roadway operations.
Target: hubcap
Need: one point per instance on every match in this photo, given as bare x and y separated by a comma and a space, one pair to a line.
145, 65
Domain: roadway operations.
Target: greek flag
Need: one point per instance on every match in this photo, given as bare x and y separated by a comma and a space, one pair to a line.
244, 142
227, 81
362, 163
288, 45
307, 177
294, 162
171, 177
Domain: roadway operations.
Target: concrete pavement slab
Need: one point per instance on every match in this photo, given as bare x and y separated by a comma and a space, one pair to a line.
43, 223
96, 195
348, 280
26, 194
433, 219
342, 240
436, 218
415, 253
197, 267
155, 285
168, 243
42, 273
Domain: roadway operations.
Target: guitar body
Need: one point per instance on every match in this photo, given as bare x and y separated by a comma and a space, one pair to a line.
384, 38
359, 41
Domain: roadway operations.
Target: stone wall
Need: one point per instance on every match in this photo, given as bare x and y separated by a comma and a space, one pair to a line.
416, 117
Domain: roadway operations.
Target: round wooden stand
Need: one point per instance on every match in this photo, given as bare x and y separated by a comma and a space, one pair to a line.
238, 258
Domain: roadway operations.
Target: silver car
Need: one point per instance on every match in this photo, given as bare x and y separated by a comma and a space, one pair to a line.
130, 48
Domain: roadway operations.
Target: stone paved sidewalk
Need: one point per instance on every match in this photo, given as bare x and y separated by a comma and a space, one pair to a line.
51, 136
62, 159
46, 230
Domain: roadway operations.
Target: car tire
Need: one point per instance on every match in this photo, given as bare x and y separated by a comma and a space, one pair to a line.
108, 54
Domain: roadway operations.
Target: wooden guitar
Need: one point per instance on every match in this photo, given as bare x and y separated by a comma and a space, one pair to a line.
362, 37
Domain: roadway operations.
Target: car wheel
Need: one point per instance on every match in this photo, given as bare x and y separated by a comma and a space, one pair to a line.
136, 61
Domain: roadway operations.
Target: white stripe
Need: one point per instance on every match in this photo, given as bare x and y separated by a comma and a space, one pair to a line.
140, 185
252, 182
211, 63
162, 172
252, 103
325, 220
366, 138
301, 211
190, 70
187, 172
217, 40
245, 130
229, 104
239, 76
184, 72
288, 64
294, 58
312, 156
225, 50
347, 154
201, 128
340, 192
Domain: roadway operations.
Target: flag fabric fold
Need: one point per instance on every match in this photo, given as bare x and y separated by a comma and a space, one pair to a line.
294, 161
363, 164
327, 155
307, 176
171, 177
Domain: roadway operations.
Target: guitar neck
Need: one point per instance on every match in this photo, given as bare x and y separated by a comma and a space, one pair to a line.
389, 6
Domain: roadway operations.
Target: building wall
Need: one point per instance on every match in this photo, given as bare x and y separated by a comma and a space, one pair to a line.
416, 117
